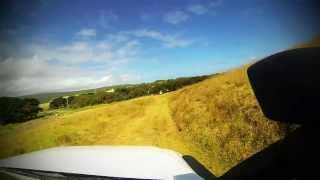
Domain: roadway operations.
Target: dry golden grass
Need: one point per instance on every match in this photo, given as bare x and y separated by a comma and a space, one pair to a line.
142, 121
221, 116
217, 121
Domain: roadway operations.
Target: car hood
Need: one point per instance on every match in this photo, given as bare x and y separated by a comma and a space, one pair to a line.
113, 161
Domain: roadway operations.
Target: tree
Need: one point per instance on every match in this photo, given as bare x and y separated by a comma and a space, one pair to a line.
14, 109
81, 101
57, 103
30, 108
70, 99
124, 93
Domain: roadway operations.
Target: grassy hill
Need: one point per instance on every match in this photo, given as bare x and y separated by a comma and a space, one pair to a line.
217, 121
222, 118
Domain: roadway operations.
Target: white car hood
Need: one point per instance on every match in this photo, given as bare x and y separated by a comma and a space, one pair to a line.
113, 161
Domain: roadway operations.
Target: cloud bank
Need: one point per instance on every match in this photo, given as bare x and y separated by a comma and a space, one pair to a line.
81, 63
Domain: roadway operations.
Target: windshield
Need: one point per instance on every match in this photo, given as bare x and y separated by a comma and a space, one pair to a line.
169, 74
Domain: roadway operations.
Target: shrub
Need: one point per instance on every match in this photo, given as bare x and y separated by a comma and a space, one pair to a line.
57, 103
14, 109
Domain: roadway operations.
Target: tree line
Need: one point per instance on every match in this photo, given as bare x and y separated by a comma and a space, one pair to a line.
13, 109
124, 93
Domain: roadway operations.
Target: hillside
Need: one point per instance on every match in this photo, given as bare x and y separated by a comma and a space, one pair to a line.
221, 116
217, 121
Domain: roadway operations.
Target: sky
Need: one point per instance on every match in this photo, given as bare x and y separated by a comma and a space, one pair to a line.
57, 45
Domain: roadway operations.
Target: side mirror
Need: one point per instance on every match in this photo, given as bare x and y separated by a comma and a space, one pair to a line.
287, 86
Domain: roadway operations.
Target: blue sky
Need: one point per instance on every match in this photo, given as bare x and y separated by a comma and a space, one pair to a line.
56, 45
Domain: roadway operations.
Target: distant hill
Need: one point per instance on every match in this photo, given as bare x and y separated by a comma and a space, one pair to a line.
46, 97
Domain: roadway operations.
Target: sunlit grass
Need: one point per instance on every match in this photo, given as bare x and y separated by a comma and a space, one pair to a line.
221, 116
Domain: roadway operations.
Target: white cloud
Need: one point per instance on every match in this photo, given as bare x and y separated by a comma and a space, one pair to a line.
216, 3
179, 16
87, 33
197, 9
35, 76
175, 17
168, 41
78, 65
107, 18
77, 52
118, 38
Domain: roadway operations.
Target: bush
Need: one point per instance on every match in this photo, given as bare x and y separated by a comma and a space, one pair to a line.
14, 109
57, 103
81, 101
